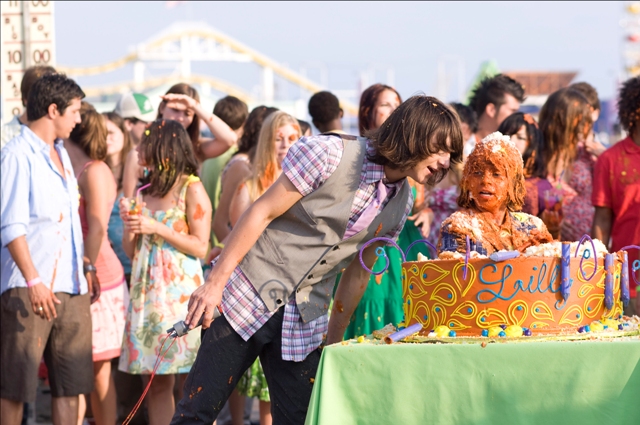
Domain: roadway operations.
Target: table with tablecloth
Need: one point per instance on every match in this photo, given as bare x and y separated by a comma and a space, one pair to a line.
579, 382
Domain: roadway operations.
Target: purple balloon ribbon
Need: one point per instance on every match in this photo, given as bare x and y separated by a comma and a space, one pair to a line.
565, 278
608, 280
584, 256
424, 241
380, 253
466, 259
624, 279
636, 263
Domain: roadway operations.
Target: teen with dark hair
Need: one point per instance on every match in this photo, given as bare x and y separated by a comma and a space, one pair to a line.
468, 119
30, 76
45, 295
334, 195
305, 127
382, 301
525, 134
326, 113
88, 151
137, 112
616, 186
440, 201
166, 232
377, 102
494, 100
181, 103
565, 122
234, 113
469, 124
279, 131
237, 170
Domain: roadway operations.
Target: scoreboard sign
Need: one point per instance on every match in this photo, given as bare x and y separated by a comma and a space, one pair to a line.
27, 40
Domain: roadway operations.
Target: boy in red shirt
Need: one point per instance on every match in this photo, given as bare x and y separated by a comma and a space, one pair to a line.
616, 187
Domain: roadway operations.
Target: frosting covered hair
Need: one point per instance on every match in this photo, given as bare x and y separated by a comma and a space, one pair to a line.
500, 151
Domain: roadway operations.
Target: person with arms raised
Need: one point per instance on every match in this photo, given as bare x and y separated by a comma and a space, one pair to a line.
181, 103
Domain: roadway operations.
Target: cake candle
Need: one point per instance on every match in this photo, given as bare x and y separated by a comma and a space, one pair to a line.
624, 279
504, 255
408, 331
565, 280
608, 281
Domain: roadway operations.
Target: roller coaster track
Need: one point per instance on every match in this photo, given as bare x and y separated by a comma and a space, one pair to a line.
149, 83
203, 32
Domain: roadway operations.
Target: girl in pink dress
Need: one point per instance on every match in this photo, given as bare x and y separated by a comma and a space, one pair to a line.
88, 150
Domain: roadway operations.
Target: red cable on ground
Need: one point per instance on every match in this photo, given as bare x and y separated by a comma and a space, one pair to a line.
161, 356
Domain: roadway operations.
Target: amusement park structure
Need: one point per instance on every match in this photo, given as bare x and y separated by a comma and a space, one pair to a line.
183, 43
631, 41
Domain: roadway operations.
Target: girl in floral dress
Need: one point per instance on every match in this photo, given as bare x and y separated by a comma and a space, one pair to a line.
166, 232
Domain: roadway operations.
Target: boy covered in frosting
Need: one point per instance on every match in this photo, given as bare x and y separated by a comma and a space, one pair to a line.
492, 191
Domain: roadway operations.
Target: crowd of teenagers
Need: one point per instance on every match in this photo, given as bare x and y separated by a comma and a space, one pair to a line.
116, 225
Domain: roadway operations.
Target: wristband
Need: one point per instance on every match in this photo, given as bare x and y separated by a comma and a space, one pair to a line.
34, 282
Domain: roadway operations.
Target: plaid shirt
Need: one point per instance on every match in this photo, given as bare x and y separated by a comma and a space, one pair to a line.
308, 164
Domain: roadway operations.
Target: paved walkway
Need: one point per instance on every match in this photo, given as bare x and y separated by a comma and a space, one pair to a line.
39, 413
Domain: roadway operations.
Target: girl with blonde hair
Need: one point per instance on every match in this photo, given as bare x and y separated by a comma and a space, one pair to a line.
279, 131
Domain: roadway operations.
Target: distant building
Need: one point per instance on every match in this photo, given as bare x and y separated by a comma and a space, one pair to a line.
538, 85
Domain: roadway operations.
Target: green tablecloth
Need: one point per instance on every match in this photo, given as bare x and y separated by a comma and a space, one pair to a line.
588, 382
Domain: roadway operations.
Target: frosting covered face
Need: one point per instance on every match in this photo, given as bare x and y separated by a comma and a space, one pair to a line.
493, 177
489, 187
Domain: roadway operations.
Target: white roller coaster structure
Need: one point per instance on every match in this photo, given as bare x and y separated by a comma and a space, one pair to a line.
186, 42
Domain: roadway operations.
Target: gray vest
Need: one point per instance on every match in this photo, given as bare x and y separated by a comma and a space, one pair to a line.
301, 252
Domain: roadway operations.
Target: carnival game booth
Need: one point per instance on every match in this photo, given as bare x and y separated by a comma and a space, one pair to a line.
515, 338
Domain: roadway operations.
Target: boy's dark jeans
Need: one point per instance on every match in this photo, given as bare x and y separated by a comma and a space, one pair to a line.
222, 359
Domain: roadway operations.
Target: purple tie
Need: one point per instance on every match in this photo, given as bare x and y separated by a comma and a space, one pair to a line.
369, 213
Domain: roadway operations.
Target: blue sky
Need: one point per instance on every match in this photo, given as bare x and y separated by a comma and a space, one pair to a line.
349, 37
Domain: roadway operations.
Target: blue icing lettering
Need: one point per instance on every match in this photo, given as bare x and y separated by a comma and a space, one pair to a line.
539, 282
554, 278
495, 295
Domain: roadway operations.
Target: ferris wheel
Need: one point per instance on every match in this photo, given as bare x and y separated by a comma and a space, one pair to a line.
631, 41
